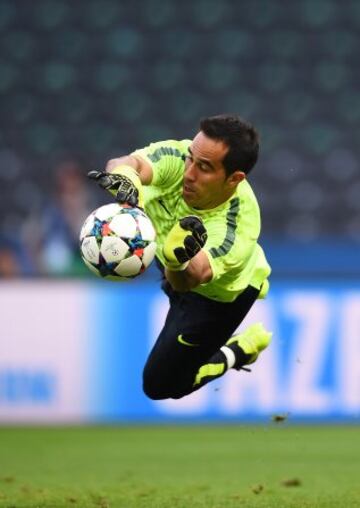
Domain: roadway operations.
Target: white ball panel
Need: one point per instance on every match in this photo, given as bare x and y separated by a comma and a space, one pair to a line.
123, 225
113, 249
90, 249
92, 267
107, 211
149, 253
129, 267
146, 228
87, 226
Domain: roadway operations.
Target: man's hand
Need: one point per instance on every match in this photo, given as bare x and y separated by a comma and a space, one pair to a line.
183, 242
123, 183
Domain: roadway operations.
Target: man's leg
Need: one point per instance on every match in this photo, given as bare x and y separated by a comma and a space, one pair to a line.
242, 349
195, 330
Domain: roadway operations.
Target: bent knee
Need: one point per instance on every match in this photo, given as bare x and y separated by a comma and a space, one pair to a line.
160, 394
160, 390
151, 386
154, 393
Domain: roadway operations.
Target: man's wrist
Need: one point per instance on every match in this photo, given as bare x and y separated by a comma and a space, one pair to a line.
124, 169
175, 267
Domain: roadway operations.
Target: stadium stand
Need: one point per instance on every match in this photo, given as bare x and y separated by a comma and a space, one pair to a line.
88, 80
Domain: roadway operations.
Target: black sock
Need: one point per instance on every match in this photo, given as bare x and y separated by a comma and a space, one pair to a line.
241, 357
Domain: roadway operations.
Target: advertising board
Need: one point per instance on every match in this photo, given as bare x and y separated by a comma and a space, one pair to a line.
74, 352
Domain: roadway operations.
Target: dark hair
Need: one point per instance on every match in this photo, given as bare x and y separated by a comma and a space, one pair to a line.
240, 136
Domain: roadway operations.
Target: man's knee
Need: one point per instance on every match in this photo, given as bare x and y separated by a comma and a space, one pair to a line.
153, 391
156, 392
157, 387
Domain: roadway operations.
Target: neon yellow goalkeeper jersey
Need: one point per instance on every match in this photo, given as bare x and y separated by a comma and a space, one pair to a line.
233, 228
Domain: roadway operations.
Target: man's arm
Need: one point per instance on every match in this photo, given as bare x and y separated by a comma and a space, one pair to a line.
143, 168
186, 264
197, 272
124, 177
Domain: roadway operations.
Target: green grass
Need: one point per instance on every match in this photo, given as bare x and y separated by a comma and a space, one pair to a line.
180, 467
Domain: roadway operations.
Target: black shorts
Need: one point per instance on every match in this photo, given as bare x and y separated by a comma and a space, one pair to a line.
204, 326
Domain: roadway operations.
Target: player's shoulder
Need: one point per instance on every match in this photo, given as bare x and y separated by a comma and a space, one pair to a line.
245, 190
248, 202
168, 147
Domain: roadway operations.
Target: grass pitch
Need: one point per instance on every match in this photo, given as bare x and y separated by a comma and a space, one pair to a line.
277, 465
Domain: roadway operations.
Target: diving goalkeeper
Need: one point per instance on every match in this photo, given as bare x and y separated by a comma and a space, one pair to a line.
207, 221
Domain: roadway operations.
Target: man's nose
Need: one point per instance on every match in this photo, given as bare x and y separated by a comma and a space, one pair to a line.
190, 171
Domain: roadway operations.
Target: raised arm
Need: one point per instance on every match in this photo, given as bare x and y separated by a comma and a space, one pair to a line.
143, 168
123, 178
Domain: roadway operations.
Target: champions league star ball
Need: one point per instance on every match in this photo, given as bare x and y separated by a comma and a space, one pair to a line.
117, 242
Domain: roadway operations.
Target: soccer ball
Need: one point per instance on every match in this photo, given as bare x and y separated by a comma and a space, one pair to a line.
117, 242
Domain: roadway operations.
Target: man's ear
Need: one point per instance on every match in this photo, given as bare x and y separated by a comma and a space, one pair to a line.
235, 178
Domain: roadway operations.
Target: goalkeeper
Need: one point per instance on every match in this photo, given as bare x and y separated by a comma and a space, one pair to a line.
208, 222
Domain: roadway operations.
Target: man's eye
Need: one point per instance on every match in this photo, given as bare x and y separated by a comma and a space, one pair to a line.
203, 167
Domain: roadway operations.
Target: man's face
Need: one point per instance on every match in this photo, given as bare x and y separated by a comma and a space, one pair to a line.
205, 182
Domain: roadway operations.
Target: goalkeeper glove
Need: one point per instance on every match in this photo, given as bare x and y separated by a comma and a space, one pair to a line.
123, 183
183, 242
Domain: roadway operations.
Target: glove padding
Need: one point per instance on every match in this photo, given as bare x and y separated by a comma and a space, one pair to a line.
123, 183
183, 242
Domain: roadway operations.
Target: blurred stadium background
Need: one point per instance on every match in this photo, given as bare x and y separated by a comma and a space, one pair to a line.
84, 81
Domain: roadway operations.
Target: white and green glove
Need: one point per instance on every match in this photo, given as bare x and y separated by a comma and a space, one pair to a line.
183, 242
123, 183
